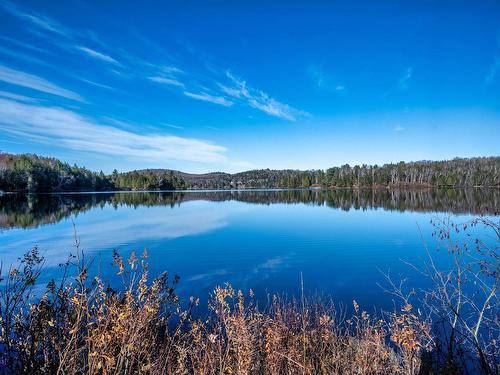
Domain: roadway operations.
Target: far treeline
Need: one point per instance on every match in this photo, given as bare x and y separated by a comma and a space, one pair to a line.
32, 173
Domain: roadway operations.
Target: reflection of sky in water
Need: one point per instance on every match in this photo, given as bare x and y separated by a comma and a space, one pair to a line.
100, 229
263, 247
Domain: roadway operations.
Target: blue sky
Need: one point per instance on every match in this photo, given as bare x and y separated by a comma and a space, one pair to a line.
212, 85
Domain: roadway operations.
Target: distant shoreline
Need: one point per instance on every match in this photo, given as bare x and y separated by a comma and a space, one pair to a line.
33, 173
393, 187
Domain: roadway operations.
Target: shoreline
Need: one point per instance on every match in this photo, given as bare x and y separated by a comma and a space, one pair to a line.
332, 188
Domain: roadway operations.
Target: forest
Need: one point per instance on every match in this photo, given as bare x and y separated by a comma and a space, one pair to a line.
32, 173
147, 180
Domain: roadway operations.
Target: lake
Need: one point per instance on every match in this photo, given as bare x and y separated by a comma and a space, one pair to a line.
342, 241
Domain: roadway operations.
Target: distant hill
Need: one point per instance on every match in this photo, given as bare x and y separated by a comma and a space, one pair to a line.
32, 173
214, 180
459, 172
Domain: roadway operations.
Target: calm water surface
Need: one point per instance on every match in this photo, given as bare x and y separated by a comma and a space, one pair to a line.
341, 240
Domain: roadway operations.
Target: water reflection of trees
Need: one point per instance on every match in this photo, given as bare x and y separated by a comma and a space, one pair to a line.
27, 211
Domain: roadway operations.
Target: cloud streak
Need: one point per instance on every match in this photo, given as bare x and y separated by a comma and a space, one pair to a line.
54, 125
260, 100
22, 56
23, 45
220, 86
209, 98
96, 84
232, 91
97, 55
41, 22
16, 77
173, 126
19, 98
166, 81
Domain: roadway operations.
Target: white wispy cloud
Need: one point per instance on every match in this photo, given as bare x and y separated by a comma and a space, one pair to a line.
34, 82
219, 86
68, 129
96, 84
272, 107
404, 81
166, 81
43, 23
171, 73
40, 21
97, 55
173, 126
169, 69
398, 128
20, 98
22, 56
209, 98
24, 45
260, 100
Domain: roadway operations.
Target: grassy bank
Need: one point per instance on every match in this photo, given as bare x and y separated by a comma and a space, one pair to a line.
80, 326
